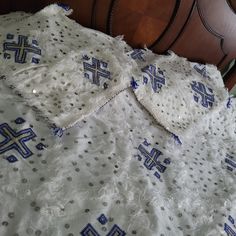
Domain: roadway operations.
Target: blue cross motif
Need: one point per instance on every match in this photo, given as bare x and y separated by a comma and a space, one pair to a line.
152, 158
89, 230
21, 49
96, 70
156, 76
228, 229
207, 97
13, 140
201, 69
137, 54
231, 164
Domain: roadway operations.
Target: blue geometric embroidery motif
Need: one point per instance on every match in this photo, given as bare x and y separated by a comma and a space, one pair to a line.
137, 54
57, 131
231, 219
95, 70
207, 98
133, 83
102, 219
21, 49
231, 165
157, 77
89, 230
201, 69
229, 102
116, 231
19, 120
176, 138
228, 229
40, 146
146, 143
15, 141
151, 159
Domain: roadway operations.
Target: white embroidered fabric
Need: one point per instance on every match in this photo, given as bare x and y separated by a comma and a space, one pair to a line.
178, 93
116, 172
80, 70
11, 18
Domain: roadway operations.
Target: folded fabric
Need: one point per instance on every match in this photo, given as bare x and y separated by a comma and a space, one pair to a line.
176, 92
60, 68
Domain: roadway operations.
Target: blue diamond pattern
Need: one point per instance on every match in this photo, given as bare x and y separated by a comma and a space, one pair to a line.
12, 159
40, 146
19, 121
102, 219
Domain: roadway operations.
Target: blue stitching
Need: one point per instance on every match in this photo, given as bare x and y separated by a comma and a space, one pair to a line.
21, 48
18, 141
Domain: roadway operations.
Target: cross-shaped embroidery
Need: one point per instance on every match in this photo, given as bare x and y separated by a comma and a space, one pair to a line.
137, 54
200, 68
204, 93
13, 140
96, 70
152, 159
21, 49
156, 76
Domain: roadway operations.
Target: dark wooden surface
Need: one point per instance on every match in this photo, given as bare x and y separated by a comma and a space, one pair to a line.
140, 22
230, 78
201, 30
